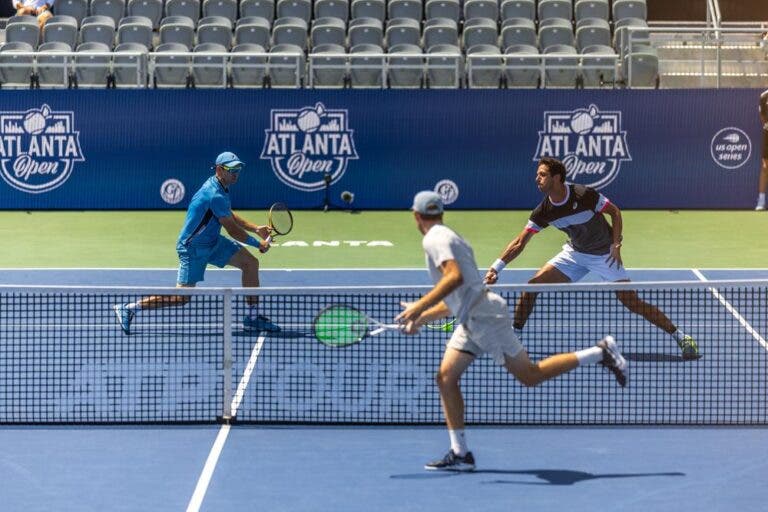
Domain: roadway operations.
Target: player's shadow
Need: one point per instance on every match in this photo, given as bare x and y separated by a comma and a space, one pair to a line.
649, 357
547, 476
280, 334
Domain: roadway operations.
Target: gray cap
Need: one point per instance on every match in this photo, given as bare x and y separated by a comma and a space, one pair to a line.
427, 202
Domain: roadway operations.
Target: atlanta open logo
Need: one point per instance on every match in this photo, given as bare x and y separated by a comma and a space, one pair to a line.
308, 144
38, 148
589, 142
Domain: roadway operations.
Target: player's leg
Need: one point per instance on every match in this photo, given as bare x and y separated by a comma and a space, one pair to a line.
762, 186
454, 364
549, 273
249, 266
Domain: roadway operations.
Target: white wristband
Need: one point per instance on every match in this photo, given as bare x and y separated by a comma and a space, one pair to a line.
498, 265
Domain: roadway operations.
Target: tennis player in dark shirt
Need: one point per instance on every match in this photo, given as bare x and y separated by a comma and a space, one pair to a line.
593, 245
762, 187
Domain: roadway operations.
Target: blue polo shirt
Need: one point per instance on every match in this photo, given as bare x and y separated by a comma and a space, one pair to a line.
208, 205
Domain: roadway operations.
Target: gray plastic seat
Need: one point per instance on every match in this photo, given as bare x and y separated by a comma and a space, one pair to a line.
61, 29
98, 29
522, 66
553, 31
480, 31
135, 29
209, 70
402, 31
622, 36
92, 70
248, 70
518, 31
450, 9
260, 8
368, 9
78, 9
252, 30
291, 30
445, 67
171, 71
16, 70
488, 9
53, 70
555, 9
284, 71
591, 9
295, 9
115, 9
332, 9
188, 8
223, 8
641, 68
518, 9
23, 29
592, 31
484, 69
215, 29
328, 30
405, 9
329, 71
440, 31
629, 9
366, 68
563, 70
152, 9
405, 71
177, 29
365, 31
129, 70
598, 66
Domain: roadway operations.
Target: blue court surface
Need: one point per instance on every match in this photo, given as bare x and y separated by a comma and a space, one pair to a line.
345, 468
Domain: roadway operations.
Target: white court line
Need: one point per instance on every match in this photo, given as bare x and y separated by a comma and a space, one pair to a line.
743, 321
218, 445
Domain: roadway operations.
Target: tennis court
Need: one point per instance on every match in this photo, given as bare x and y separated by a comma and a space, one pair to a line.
267, 466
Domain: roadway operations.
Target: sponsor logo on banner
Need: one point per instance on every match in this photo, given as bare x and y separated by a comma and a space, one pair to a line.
172, 191
588, 141
448, 190
731, 148
309, 146
38, 148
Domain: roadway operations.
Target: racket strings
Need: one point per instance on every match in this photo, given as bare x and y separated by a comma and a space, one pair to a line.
280, 219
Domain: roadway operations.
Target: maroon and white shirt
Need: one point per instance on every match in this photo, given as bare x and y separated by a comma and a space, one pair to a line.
580, 216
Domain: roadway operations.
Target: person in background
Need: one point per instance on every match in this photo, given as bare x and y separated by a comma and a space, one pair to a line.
38, 8
762, 185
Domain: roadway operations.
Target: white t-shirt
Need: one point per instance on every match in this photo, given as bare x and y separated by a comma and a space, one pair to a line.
441, 244
34, 3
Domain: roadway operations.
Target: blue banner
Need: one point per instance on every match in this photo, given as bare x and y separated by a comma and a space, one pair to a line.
152, 149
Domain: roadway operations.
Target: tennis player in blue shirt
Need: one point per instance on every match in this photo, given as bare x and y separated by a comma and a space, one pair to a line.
200, 243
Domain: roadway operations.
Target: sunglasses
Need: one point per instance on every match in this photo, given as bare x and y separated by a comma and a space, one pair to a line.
234, 169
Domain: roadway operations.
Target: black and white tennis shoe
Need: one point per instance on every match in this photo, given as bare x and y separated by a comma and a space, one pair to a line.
613, 360
453, 462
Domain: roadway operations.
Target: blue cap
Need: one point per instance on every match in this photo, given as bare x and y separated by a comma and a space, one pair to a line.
427, 202
228, 159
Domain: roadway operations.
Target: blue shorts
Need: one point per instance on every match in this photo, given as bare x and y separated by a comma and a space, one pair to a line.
193, 260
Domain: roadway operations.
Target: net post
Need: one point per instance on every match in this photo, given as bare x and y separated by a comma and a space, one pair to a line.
227, 356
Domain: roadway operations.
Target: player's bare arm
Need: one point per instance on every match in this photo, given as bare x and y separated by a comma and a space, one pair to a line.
237, 232
418, 313
262, 231
512, 251
616, 228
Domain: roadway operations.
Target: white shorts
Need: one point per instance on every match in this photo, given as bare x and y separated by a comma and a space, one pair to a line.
576, 265
488, 330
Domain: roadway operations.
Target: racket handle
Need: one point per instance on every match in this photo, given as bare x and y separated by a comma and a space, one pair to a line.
268, 239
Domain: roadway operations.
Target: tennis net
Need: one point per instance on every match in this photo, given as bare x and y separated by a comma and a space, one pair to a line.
64, 359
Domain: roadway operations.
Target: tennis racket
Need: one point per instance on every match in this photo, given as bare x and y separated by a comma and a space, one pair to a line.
340, 325
280, 221
443, 324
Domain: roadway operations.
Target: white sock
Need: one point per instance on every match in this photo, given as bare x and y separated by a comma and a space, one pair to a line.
678, 335
458, 442
133, 306
589, 355
761, 199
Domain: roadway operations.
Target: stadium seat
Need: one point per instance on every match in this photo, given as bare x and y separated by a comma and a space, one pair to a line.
366, 66
16, 70
488, 9
598, 66
591, 9
92, 70
444, 66
188, 8
23, 29
152, 9
328, 71
555, 31
621, 34
209, 70
177, 29
365, 31
440, 31
78, 9
592, 31
629, 9
641, 67
450, 9
405, 9
563, 70
555, 9
135, 29
52, 70
328, 30
518, 31
98, 29
283, 69
295, 9
522, 66
259, 8
128, 69
403, 31
291, 31
215, 29
369, 9
61, 28
484, 67
480, 31
405, 71
115, 9
252, 30
171, 71
224, 8
248, 70
332, 9
518, 9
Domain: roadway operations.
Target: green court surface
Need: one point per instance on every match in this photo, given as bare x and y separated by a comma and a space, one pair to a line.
374, 239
